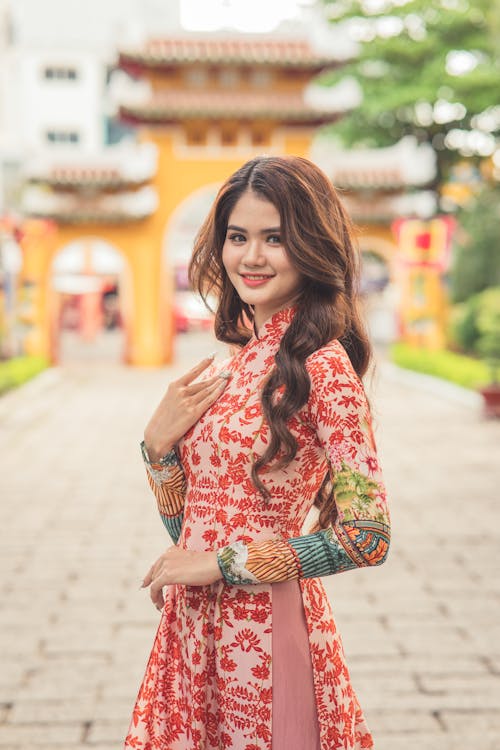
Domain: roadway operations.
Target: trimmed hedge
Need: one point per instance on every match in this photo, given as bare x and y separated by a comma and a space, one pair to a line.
16, 371
457, 368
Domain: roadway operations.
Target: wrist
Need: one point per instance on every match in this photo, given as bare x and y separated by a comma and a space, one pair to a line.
156, 452
161, 469
214, 567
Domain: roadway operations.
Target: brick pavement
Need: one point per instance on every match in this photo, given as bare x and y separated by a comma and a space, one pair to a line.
79, 529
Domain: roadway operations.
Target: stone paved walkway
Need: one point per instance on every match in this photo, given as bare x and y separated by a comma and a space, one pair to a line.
79, 529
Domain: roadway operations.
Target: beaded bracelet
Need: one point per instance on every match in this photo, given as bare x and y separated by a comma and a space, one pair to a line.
160, 471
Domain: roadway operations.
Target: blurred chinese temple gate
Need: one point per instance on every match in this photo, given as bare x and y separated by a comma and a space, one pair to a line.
210, 105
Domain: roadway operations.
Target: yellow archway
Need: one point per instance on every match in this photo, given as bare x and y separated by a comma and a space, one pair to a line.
41, 243
86, 269
381, 243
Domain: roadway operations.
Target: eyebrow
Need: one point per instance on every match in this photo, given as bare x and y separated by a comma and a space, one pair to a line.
233, 228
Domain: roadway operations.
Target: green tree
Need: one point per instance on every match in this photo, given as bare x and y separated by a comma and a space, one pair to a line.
430, 69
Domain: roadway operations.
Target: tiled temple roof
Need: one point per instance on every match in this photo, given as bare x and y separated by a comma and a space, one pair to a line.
111, 168
76, 177
71, 208
405, 164
209, 105
281, 53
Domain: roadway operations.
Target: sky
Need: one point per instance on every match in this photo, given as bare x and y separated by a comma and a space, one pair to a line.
67, 22
241, 15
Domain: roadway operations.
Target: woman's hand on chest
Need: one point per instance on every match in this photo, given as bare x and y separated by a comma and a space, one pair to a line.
181, 407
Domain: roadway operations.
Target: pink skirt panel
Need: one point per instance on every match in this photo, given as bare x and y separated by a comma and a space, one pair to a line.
295, 719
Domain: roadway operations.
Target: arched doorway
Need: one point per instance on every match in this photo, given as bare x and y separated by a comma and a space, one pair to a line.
89, 303
378, 289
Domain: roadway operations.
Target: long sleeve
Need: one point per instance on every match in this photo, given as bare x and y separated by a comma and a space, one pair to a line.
340, 416
166, 479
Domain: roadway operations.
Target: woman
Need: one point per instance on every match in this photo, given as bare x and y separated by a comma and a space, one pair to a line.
247, 655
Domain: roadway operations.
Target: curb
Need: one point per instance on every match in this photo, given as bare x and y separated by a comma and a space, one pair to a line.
431, 385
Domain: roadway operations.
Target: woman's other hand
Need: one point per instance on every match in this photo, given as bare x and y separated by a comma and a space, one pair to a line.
184, 566
181, 407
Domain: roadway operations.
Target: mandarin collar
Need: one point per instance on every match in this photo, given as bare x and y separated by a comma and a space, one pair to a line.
275, 326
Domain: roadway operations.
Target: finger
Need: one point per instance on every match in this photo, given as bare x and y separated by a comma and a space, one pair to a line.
156, 594
197, 370
157, 568
192, 390
153, 572
218, 384
147, 578
211, 397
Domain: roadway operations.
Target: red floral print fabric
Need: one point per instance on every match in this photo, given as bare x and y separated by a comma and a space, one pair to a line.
208, 682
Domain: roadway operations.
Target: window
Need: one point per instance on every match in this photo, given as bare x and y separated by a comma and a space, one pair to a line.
229, 78
196, 134
60, 73
63, 136
261, 136
261, 78
229, 135
196, 77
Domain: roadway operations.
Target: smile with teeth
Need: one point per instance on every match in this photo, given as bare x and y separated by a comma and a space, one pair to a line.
255, 279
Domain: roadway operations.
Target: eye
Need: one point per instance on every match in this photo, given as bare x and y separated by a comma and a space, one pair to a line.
235, 237
274, 239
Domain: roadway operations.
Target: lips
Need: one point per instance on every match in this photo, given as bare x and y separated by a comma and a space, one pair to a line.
254, 279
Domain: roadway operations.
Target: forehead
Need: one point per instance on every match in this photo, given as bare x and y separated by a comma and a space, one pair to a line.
252, 211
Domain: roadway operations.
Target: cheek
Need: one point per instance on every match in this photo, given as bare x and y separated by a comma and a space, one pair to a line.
285, 267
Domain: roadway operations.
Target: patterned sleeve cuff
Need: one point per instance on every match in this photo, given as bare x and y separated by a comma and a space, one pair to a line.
160, 471
232, 560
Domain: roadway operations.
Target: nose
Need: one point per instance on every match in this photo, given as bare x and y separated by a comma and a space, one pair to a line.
253, 255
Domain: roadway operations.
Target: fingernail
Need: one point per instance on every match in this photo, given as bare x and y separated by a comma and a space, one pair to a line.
226, 374
211, 355
142, 585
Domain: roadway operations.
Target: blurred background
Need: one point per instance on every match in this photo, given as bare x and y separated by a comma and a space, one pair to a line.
118, 123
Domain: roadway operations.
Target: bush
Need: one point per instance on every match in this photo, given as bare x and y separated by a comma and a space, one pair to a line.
16, 371
476, 254
474, 319
457, 368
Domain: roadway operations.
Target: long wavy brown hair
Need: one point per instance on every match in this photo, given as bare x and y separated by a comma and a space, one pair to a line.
318, 238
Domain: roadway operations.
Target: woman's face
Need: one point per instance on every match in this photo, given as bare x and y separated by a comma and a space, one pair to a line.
256, 261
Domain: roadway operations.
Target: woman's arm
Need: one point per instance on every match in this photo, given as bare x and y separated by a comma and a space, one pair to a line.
360, 535
181, 407
166, 479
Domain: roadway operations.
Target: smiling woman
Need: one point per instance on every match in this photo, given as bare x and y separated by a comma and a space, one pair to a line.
237, 455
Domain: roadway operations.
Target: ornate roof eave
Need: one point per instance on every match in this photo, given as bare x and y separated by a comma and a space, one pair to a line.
162, 54
90, 217
137, 68
66, 208
75, 183
157, 115
113, 168
382, 210
405, 164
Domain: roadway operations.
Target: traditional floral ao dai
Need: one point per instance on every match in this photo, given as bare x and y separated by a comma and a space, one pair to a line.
209, 680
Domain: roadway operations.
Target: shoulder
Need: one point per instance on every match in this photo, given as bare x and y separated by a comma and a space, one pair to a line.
333, 378
330, 361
